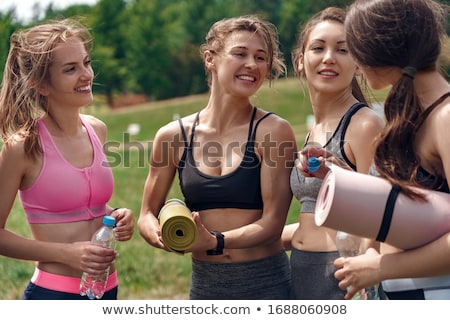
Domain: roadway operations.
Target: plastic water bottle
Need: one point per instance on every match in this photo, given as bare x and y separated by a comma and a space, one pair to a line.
313, 164
94, 286
350, 245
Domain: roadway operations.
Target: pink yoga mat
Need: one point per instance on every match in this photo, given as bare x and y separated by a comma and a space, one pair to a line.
355, 203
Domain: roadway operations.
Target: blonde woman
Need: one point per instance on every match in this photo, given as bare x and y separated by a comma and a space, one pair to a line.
233, 161
53, 157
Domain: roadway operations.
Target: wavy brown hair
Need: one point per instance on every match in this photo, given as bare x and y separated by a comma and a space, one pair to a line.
220, 30
402, 33
26, 69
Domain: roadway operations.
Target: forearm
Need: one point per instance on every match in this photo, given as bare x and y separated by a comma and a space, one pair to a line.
149, 229
288, 234
430, 260
17, 247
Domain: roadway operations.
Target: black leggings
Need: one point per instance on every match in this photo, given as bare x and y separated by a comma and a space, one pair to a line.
34, 292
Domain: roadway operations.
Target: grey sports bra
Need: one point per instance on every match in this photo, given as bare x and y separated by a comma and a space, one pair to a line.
307, 189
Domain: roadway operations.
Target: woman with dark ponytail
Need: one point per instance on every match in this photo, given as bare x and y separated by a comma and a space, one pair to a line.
397, 43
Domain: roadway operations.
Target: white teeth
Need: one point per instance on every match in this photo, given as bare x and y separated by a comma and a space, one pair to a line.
328, 73
86, 88
248, 78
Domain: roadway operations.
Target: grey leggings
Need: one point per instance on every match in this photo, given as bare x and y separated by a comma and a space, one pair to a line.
268, 279
313, 276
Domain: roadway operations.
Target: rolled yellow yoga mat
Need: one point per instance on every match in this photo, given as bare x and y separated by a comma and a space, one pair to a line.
178, 229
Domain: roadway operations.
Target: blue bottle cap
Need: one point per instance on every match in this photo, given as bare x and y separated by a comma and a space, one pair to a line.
313, 164
109, 221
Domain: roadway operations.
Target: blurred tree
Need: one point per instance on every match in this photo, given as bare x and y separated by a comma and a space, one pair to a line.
109, 22
7, 27
151, 47
155, 32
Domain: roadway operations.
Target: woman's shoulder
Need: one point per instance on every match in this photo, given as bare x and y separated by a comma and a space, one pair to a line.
442, 106
93, 121
13, 150
98, 125
439, 118
367, 117
270, 117
275, 125
174, 127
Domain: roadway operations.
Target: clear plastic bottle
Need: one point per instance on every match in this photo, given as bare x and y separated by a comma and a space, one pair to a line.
94, 287
350, 245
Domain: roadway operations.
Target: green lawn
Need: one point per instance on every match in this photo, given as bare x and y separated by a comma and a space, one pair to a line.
146, 272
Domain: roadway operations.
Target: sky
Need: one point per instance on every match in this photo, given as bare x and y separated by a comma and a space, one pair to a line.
24, 7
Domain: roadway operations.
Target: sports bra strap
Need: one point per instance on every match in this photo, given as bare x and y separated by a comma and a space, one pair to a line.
431, 108
183, 132
192, 133
250, 127
345, 123
193, 129
256, 126
251, 130
347, 117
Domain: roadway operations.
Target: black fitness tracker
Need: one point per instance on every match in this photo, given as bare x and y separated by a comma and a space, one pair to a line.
220, 244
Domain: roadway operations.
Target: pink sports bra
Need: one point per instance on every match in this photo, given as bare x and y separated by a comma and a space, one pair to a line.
63, 193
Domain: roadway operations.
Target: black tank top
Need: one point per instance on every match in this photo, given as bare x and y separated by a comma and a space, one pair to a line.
239, 189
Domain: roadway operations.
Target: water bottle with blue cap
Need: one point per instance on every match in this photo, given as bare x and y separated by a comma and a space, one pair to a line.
313, 164
94, 287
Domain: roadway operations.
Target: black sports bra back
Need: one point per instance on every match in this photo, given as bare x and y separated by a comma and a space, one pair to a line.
423, 177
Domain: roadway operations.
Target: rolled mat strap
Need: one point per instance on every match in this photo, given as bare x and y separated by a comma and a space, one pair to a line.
388, 213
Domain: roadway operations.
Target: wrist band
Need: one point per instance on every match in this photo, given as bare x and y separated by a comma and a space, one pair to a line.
220, 244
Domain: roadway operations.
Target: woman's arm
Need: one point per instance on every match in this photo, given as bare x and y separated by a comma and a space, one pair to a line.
371, 268
162, 168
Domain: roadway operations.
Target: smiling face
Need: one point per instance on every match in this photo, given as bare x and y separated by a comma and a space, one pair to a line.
71, 75
326, 61
241, 67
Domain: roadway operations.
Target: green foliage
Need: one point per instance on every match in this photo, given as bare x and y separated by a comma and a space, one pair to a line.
151, 47
7, 27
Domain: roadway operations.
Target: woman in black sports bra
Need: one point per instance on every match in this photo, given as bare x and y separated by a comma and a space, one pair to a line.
414, 149
233, 162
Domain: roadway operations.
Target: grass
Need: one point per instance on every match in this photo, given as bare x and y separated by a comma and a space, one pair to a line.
146, 272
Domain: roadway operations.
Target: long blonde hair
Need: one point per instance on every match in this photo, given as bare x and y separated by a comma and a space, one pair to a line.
26, 69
